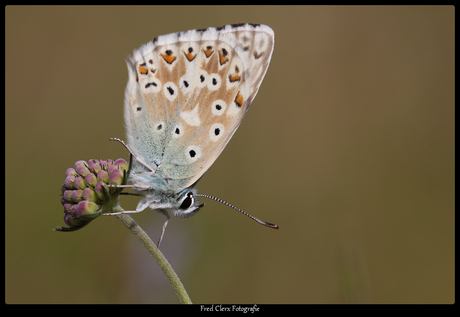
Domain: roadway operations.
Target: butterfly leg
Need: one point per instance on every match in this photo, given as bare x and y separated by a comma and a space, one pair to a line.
164, 212
121, 212
135, 187
131, 152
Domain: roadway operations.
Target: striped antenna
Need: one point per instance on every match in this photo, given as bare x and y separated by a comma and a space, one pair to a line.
267, 224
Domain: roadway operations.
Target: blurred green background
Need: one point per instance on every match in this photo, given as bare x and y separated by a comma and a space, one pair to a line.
348, 147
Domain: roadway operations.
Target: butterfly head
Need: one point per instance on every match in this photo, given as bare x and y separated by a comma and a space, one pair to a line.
187, 203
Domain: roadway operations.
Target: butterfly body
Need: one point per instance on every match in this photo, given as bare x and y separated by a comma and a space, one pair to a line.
187, 93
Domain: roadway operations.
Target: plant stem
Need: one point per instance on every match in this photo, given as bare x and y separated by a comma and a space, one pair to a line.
157, 255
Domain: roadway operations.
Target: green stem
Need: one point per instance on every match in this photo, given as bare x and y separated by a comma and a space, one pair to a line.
157, 255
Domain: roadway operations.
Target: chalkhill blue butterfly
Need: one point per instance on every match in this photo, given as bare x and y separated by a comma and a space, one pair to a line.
187, 93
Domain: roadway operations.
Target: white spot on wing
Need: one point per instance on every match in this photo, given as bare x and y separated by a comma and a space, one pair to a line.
191, 117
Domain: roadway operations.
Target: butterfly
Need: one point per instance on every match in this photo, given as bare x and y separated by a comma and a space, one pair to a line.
187, 94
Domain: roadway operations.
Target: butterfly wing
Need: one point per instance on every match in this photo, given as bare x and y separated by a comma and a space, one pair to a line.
187, 94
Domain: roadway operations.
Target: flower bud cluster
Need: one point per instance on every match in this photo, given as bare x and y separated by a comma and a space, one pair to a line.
85, 194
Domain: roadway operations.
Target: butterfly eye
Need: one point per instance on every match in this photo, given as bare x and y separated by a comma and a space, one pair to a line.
188, 206
187, 202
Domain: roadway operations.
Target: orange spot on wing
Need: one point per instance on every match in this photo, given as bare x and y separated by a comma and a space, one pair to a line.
168, 57
223, 56
190, 56
142, 69
239, 100
208, 51
234, 77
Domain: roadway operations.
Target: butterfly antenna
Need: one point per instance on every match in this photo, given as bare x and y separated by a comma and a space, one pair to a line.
267, 224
